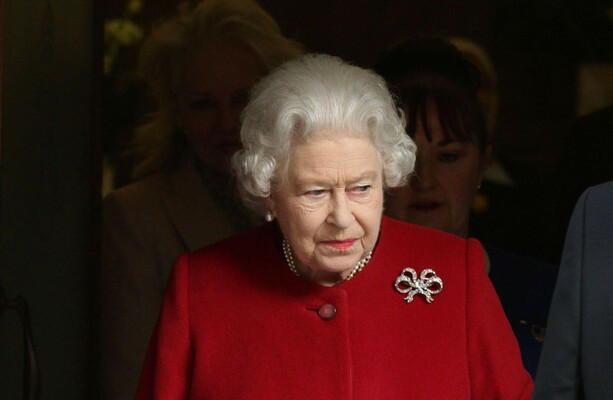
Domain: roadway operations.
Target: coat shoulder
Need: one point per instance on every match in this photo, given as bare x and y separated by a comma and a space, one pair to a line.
423, 236
602, 192
431, 248
244, 248
139, 192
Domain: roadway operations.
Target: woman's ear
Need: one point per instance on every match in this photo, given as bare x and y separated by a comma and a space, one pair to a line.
270, 205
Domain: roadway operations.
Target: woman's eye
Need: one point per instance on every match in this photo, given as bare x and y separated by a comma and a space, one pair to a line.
361, 189
448, 157
316, 192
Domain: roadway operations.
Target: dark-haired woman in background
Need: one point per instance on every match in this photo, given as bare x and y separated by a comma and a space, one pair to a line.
438, 90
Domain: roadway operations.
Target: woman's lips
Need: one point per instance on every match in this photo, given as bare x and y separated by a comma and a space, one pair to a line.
425, 206
340, 244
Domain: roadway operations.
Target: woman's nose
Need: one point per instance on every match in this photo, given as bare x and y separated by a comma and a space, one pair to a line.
228, 118
423, 177
340, 213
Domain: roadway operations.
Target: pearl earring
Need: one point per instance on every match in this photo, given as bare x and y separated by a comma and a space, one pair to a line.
269, 217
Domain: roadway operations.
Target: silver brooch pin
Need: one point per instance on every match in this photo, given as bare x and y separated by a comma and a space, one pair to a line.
427, 285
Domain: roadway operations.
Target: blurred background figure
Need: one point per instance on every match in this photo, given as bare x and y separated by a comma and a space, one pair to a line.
578, 352
200, 66
508, 210
438, 89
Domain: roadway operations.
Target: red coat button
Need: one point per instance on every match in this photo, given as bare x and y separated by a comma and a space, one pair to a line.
327, 312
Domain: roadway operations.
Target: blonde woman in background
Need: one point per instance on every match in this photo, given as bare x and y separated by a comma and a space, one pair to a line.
200, 66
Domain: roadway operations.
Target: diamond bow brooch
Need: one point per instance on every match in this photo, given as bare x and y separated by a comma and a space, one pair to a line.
427, 285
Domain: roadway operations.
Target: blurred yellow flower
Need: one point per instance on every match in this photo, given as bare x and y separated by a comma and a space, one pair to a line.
134, 7
121, 32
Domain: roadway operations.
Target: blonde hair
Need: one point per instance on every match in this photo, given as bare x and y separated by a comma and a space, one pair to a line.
477, 55
158, 143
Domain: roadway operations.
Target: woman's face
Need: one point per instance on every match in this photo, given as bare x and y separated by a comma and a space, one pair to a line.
330, 203
214, 91
446, 177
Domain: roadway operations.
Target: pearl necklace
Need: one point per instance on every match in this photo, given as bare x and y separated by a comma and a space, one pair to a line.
287, 252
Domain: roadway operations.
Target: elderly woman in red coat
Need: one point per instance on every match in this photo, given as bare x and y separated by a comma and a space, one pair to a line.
330, 300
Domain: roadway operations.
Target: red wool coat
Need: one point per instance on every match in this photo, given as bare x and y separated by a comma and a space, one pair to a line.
237, 324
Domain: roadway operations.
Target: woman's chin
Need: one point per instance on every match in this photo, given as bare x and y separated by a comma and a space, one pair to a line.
339, 266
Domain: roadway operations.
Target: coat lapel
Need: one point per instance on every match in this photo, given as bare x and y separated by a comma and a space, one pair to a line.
191, 209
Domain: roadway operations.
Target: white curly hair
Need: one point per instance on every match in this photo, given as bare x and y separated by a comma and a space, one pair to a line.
309, 95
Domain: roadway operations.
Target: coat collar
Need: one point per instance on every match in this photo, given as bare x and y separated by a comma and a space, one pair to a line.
191, 209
